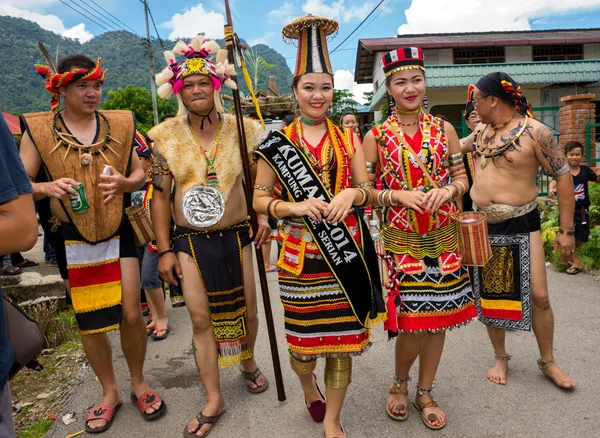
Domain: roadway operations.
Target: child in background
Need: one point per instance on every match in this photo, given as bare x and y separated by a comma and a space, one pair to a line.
581, 176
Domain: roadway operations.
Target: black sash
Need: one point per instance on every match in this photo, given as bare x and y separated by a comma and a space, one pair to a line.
350, 263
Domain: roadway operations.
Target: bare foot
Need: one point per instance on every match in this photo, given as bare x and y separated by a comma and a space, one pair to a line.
312, 393
333, 429
270, 268
397, 401
110, 400
209, 410
559, 377
433, 415
497, 373
249, 366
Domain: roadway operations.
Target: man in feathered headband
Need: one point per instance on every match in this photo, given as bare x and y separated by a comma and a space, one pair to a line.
87, 174
511, 290
209, 252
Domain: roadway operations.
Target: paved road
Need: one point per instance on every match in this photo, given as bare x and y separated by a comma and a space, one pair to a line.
529, 406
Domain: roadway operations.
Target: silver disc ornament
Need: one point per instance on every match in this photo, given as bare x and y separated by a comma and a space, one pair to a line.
203, 206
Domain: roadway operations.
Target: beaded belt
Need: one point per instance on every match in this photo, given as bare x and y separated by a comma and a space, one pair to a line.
419, 246
498, 213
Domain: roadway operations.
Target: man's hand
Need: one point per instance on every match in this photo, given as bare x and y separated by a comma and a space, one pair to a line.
113, 184
566, 244
59, 188
264, 230
166, 265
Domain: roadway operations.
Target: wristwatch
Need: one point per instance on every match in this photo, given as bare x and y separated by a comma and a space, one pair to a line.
570, 232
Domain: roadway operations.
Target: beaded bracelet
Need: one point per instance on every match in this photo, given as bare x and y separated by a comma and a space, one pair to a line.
264, 188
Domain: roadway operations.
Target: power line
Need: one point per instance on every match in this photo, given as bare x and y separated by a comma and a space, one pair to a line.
99, 17
115, 18
84, 15
356, 28
373, 20
155, 29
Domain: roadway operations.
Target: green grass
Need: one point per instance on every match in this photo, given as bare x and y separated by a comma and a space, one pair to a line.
69, 345
37, 429
48, 370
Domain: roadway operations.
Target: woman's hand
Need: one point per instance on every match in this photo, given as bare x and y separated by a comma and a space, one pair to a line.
313, 208
339, 207
413, 199
435, 198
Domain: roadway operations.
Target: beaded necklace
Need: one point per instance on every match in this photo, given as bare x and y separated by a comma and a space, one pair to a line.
493, 152
426, 154
211, 171
494, 128
311, 122
402, 112
86, 151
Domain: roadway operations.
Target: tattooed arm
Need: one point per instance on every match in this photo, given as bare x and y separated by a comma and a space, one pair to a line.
549, 154
160, 209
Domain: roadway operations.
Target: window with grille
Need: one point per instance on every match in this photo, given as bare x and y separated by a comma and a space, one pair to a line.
479, 55
566, 52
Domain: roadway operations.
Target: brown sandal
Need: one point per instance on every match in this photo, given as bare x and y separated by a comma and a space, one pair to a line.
430, 404
202, 420
396, 388
253, 376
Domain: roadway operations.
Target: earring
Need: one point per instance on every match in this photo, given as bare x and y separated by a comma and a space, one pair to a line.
425, 102
391, 104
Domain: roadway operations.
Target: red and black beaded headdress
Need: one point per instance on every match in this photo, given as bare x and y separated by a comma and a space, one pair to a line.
402, 59
54, 81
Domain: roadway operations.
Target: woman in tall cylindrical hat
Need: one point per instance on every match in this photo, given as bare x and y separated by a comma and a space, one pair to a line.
328, 276
429, 291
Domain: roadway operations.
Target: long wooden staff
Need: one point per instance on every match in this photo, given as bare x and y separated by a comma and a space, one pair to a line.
230, 41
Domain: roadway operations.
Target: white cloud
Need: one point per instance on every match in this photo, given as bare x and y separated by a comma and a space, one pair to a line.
261, 40
344, 80
284, 14
195, 20
429, 16
339, 10
46, 21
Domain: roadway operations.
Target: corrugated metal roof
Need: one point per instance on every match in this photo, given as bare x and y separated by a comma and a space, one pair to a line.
527, 73
368, 47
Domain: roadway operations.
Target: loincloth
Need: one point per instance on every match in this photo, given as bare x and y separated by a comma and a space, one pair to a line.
218, 258
503, 286
498, 213
95, 280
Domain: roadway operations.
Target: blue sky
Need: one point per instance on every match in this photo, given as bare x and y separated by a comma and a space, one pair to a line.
262, 20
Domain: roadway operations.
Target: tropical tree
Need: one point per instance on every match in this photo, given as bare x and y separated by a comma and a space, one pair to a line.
257, 67
139, 100
343, 101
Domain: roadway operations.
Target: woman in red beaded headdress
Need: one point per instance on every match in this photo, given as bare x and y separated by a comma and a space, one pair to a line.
429, 290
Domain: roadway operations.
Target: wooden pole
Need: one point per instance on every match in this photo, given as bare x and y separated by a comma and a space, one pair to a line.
230, 41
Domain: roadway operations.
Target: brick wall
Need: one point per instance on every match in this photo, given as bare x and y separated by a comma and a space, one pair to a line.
577, 112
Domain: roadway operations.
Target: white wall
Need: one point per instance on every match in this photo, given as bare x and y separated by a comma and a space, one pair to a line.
438, 56
518, 53
591, 51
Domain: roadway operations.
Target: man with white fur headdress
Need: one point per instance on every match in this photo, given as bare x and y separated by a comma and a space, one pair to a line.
209, 252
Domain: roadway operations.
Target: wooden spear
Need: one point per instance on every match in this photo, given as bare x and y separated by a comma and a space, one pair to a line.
231, 41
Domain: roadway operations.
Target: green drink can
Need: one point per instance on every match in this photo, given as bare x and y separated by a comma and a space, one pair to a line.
79, 202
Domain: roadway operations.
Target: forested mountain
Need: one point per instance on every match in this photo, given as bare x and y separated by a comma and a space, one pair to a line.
123, 53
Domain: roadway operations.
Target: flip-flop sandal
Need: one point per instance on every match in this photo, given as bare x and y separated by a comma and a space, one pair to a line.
145, 401
574, 271
396, 388
253, 376
202, 420
102, 412
26, 264
10, 270
165, 335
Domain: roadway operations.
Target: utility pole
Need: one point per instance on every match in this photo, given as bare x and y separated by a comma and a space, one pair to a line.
151, 61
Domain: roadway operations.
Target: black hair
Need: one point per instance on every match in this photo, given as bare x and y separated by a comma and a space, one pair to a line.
70, 62
573, 145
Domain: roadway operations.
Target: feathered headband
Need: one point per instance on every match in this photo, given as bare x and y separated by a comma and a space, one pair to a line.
470, 107
54, 81
198, 60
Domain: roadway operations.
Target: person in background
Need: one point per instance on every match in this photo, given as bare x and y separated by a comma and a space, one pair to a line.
348, 120
472, 120
158, 326
582, 175
18, 232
